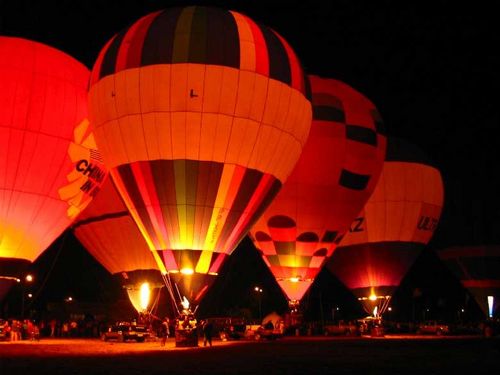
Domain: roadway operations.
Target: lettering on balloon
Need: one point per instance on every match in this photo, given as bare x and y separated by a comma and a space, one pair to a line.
357, 225
95, 176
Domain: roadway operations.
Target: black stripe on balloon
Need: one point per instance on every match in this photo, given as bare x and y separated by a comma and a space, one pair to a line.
198, 36
159, 39
108, 65
361, 134
95, 219
133, 192
329, 236
246, 190
222, 38
279, 65
327, 113
352, 180
271, 193
163, 177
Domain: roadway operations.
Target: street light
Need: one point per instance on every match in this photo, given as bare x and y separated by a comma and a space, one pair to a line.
28, 279
259, 291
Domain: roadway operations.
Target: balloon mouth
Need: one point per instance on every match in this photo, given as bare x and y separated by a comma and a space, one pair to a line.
294, 279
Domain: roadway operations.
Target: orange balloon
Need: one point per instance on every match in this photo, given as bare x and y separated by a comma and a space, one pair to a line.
396, 223
334, 177
49, 165
200, 114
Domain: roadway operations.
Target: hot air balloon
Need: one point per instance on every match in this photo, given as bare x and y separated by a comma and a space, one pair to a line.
396, 223
110, 235
478, 269
200, 114
334, 177
49, 166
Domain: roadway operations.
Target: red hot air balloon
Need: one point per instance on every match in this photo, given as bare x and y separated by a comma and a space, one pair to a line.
49, 166
334, 177
396, 223
478, 269
109, 233
200, 114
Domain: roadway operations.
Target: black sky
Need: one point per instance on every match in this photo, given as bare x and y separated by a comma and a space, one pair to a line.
431, 69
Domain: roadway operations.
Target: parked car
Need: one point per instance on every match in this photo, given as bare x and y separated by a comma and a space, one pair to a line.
341, 328
125, 331
433, 327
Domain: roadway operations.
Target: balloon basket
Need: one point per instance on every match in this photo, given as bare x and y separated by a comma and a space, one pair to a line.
186, 338
377, 332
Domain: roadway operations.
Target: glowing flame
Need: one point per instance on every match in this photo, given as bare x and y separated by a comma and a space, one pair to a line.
187, 271
145, 293
294, 279
372, 297
375, 311
185, 303
491, 301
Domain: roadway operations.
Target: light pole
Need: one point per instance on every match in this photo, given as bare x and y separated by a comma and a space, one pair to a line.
27, 280
258, 290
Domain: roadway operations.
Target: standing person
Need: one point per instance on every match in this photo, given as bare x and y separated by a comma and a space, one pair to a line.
165, 331
207, 332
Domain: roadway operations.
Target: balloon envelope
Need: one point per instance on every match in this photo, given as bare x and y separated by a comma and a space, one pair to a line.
336, 173
49, 166
200, 114
110, 235
478, 269
398, 220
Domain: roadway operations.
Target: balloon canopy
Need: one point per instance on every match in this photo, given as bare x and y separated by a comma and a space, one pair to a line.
397, 222
478, 269
110, 235
334, 177
49, 165
200, 114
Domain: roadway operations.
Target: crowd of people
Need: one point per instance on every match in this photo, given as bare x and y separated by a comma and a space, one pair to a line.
24, 329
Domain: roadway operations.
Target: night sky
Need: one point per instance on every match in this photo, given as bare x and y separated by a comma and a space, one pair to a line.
431, 70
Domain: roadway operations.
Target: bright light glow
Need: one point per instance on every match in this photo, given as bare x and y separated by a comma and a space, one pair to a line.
491, 302
294, 279
372, 297
185, 303
30, 295
145, 293
69, 299
375, 311
389, 308
29, 278
187, 271
257, 289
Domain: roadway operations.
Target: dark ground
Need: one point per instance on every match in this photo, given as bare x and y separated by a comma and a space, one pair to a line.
316, 355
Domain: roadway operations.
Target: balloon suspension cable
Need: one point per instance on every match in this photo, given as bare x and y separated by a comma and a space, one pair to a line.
381, 305
170, 289
50, 269
154, 305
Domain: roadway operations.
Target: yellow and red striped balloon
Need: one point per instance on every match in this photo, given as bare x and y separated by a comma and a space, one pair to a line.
200, 114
